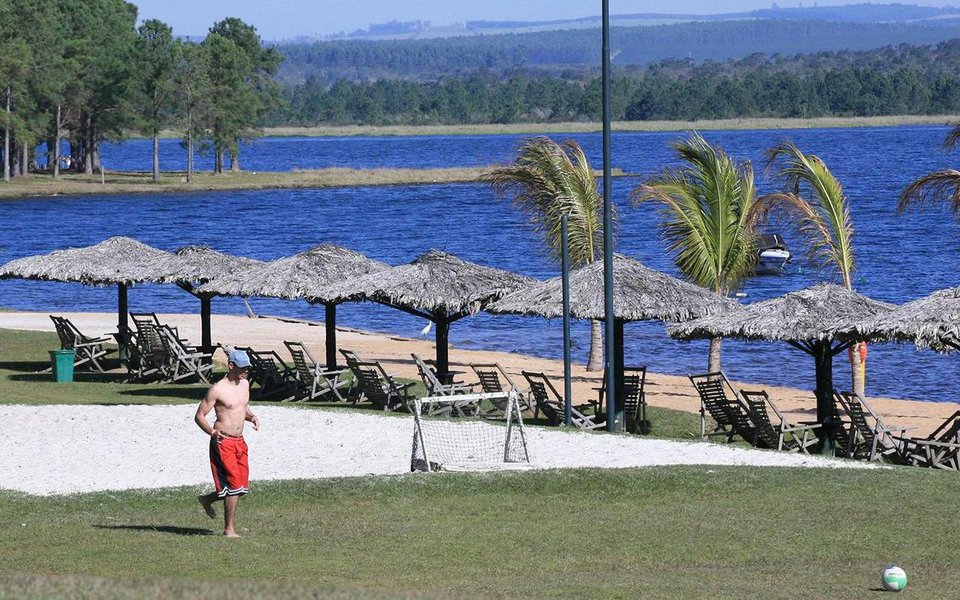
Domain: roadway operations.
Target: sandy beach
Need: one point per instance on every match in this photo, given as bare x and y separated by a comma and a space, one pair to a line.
96, 451
668, 391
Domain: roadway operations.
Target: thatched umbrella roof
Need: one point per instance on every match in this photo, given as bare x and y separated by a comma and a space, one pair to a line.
639, 294
199, 264
303, 275
930, 322
822, 312
117, 260
437, 286
819, 320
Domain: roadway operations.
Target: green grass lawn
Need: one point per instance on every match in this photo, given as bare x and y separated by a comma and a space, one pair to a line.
669, 532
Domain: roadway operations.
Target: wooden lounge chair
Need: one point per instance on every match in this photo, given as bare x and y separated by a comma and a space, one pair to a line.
378, 388
88, 351
314, 381
551, 404
870, 437
273, 378
720, 401
634, 399
494, 379
434, 386
184, 362
940, 449
780, 435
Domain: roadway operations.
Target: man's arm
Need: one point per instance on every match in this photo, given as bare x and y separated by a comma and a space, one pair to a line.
206, 405
253, 419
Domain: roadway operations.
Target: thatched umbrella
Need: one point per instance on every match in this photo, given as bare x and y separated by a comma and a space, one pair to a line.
119, 261
301, 276
196, 265
436, 286
639, 294
930, 322
818, 320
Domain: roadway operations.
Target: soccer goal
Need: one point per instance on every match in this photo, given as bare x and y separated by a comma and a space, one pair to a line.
469, 441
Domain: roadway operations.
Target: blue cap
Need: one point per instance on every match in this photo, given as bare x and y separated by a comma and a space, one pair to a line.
239, 359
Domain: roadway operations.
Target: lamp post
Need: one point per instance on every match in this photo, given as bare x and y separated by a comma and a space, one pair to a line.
608, 322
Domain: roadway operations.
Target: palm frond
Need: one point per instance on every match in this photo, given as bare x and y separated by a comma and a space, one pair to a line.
547, 181
950, 142
824, 219
705, 209
936, 188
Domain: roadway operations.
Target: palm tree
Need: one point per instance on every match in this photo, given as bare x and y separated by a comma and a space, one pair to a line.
824, 219
940, 186
707, 206
549, 180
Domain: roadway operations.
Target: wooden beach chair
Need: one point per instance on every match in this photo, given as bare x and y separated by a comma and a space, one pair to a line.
940, 449
634, 400
869, 436
494, 379
184, 362
378, 388
719, 400
781, 435
432, 382
273, 378
87, 350
315, 381
548, 401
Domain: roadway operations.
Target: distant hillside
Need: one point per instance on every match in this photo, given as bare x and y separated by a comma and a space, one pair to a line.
579, 49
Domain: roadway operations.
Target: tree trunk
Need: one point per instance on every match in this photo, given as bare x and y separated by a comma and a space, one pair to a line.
595, 361
6, 142
857, 369
25, 160
88, 146
713, 362
56, 147
234, 162
156, 156
189, 145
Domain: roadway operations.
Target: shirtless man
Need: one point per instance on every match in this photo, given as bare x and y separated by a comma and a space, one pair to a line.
229, 398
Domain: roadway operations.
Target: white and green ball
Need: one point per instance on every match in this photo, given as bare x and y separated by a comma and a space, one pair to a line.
894, 578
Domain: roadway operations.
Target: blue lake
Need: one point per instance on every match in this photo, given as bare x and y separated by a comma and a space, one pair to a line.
900, 257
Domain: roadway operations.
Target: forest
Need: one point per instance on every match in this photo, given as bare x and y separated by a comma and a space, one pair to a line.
82, 71
902, 80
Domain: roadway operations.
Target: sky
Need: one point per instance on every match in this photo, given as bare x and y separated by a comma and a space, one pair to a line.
278, 20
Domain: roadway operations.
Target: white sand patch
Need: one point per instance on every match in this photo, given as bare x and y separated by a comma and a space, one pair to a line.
68, 449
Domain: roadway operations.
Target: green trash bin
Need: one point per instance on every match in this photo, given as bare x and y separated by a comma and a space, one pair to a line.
62, 361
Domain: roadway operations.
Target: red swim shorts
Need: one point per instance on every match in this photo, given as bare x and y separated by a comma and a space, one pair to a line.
228, 461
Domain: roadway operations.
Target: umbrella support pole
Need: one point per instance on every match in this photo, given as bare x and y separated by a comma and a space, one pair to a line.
123, 327
330, 331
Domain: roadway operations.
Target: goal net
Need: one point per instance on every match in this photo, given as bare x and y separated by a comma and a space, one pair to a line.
451, 433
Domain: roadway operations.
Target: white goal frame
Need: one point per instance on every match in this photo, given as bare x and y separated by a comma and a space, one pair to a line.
426, 454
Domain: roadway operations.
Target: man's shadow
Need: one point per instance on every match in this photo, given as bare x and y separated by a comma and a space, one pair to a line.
160, 528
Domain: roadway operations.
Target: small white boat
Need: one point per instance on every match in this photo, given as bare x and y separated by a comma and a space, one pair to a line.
774, 255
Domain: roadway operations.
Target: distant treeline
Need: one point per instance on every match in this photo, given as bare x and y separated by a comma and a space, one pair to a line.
554, 51
891, 81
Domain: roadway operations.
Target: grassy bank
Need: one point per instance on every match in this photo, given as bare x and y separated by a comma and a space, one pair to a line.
545, 128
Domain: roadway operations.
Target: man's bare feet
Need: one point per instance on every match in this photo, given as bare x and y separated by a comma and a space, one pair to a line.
207, 506
231, 534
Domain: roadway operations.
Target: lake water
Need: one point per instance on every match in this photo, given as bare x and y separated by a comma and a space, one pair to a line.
900, 257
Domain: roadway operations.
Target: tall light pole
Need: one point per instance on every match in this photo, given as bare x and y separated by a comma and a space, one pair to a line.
608, 321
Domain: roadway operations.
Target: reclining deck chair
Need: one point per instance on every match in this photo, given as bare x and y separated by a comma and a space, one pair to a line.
494, 379
87, 350
728, 412
634, 399
314, 381
551, 403
432, 382
869, 436
378, 388
184, 362
940, 449
782, 435
273, 377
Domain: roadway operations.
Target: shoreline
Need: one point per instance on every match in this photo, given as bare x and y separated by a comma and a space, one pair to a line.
666, 391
